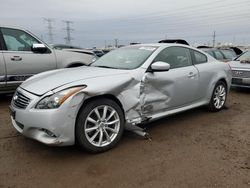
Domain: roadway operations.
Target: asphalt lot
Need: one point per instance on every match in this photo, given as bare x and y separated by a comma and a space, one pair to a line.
192, 149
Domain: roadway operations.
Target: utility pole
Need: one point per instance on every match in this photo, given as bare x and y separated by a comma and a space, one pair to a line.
68, 29
50, 29
116, 43
214, 35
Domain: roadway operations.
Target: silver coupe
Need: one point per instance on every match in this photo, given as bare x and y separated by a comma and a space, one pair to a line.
92, 105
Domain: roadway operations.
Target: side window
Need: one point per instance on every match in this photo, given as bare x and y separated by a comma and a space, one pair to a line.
199, 57
17, 40
218, 55
211, 53
176, 56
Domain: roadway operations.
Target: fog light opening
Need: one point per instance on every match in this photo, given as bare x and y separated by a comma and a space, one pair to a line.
49, 133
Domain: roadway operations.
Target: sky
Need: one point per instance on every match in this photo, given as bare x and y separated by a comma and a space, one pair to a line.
97, 23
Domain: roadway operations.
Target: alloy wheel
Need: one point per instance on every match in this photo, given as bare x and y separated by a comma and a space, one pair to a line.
219, 96
102, 126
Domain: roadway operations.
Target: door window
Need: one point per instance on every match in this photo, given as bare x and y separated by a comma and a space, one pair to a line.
176, 56
17, 40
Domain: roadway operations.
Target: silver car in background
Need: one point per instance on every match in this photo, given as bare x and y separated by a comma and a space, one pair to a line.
22, 55
241, 70
92, 105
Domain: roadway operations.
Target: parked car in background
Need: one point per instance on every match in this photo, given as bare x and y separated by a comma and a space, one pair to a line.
22, 55
105, 51
177, 41
224, 55
98, 53
241, 70
83, 51
127, 86
64, 46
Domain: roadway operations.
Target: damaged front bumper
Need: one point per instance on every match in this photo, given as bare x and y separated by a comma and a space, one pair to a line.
50, 126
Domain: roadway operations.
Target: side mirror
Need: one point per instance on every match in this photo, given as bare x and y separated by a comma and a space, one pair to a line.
39, 48
159, 66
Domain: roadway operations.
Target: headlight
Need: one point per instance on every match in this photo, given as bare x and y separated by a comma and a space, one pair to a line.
57, 99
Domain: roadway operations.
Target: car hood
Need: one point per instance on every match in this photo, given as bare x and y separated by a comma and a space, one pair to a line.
47, 81
239, 65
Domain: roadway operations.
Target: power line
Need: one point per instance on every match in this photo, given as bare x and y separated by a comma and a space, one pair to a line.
50, 28
202, 8
68, 29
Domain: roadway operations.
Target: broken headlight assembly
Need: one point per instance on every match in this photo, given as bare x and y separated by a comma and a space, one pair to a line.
57, 99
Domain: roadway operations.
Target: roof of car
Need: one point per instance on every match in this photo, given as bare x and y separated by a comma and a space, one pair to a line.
160, 44
178, 41
165, 45
13, 27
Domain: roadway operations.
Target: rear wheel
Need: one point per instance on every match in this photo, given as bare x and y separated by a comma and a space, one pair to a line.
219, 97
100, 125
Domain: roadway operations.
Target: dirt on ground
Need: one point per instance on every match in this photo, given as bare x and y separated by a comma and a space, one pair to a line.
196, 148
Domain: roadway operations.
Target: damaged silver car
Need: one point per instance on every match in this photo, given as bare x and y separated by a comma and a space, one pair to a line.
92, 105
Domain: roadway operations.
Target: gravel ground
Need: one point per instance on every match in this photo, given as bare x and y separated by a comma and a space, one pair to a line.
192, 149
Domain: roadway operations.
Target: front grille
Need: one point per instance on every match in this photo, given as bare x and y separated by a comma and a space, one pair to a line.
241, 74
20, 100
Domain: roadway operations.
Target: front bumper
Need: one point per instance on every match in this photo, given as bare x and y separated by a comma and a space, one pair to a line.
241, 78
49, 126
241, 82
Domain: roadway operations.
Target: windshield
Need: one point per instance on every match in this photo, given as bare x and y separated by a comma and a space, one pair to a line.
244, 57
125, 58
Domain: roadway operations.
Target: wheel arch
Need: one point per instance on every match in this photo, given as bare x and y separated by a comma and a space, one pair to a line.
213, 84
224, 81
104, 96
89, 100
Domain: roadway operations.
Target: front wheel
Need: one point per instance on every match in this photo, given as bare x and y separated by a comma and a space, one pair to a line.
219, 97
100, 125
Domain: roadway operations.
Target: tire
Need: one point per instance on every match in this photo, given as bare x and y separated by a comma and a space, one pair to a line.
219, 97
99, 126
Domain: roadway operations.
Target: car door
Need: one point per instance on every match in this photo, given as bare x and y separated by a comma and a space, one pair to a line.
177, 87
21, 61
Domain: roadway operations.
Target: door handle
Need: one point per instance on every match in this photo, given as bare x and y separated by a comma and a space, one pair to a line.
191, 75
16, 58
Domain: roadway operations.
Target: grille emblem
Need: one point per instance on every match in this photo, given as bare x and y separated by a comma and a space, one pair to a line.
15, 97
238, 73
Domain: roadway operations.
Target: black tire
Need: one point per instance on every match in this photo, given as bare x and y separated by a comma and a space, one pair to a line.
212, 106
82, 138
